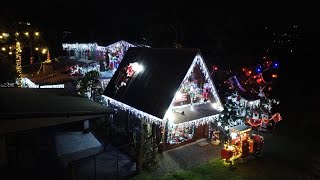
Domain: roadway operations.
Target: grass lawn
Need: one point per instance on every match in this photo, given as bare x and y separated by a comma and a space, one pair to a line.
284, 157
216, 169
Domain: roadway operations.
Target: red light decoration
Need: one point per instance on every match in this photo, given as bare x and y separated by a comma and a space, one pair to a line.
214, 68
274, 75
248, 73
259, 80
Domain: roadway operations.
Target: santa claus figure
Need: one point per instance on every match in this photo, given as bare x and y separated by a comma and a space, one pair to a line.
205, 92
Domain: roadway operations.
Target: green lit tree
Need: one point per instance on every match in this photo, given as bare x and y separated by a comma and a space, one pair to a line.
88, 85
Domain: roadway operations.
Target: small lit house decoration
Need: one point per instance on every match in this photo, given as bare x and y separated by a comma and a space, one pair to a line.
241, 144
171, 88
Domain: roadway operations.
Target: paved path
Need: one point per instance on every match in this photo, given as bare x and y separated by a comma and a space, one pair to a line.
185, 157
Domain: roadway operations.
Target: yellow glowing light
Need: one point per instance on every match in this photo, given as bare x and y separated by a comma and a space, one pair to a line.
10, 53
36, 49
3, 48
1, 37
37, 33
17, 34
26, 33
44, 51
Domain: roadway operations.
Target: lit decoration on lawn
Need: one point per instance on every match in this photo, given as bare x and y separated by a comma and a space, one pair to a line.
261, 124
239, 110
257, 80
241, 144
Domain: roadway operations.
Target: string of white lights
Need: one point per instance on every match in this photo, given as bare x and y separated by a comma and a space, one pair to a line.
137, 113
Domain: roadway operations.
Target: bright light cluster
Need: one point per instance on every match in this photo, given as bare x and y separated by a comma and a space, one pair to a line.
137, 67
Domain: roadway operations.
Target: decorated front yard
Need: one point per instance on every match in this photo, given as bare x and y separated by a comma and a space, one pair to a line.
284, 157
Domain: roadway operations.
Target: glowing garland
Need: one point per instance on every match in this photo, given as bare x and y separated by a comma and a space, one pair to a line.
18, 63
201, 121
137, 113
27, 83
83, 70
77, 46
56, 86
89, 46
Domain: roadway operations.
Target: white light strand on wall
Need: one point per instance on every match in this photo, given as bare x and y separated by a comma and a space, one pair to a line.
137, 113
201, 121
54, 86
205, 71
89, 46
27, 83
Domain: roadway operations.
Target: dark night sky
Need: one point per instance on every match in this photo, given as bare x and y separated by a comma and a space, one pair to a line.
128, 18
224, 31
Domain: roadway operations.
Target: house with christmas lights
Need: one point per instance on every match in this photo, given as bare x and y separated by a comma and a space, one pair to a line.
104, 59
169, 88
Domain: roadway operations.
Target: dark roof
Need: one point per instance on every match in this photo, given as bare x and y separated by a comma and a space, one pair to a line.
30, 100
197, 112
241, 128
24, 108
60, 78
153, 89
